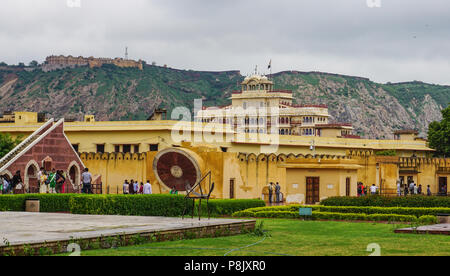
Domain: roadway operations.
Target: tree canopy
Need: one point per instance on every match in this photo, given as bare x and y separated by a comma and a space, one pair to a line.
7, 143
439, 134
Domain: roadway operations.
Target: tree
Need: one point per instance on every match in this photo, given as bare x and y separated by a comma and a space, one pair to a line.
439, 134
34, 63
7, 143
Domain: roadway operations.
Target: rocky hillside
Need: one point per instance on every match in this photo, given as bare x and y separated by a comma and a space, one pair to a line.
113, 93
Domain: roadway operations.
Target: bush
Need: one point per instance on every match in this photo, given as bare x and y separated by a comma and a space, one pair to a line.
380, 201
48, 202
428, 220
418, 212
12, 203
327, 216
220, 207
127, 205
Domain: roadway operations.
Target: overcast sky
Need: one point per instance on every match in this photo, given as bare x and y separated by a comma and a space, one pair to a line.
402, 40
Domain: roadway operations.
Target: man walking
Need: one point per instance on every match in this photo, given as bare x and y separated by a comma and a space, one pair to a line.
86, 178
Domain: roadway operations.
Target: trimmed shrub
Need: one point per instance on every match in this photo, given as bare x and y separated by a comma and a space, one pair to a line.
381, 201
427, 220
418, 212
220, 207
125, 205
328, 216
48, 202
12, 203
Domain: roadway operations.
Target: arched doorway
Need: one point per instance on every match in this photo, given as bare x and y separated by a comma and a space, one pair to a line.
31, 177
73, 178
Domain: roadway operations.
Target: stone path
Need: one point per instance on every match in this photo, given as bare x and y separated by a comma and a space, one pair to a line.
33, 228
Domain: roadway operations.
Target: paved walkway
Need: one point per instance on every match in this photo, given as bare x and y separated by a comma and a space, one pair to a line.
442, 229
31, 228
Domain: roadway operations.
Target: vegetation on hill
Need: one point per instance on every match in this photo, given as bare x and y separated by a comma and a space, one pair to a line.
439, 134
113, 93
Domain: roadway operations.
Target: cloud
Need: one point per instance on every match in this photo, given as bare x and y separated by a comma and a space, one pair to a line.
400, 41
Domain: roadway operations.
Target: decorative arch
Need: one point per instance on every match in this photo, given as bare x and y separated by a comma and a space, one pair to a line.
74, 174
47, 163
35, 166
251, 157
8, 173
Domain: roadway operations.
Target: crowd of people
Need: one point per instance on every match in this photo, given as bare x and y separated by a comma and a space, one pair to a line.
49, 182
8, 185
134, 188
412, 189
402, 189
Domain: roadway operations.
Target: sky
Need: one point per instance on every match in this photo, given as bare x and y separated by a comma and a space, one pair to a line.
384, 40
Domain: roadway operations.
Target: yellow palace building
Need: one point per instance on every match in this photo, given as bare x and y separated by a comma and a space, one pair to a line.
308, 167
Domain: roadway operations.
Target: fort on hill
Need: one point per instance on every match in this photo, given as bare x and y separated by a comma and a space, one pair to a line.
60, 62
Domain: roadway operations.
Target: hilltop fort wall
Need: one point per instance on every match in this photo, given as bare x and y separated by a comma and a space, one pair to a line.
60, 62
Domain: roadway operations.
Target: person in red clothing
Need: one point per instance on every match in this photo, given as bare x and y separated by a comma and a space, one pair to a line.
141, 189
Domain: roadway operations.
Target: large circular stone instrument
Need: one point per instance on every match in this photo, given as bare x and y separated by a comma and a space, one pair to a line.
176, 167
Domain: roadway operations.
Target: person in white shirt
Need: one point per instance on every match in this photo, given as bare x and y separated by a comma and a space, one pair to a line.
147, 188
373, 189
126, 186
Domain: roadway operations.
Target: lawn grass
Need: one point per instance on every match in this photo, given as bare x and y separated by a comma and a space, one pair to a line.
297, 238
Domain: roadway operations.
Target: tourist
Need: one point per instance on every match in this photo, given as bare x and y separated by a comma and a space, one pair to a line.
406, 189
373, 189
359, 189
399, 188
277, 192
125, 187
60, 179
429, 191
131, 187
42, 176
52, 182
136, 188
1, 184
419, 190
174, 191
86, 178
5, 184
411, 188
16, 182
270, 192
416, 190
141, 189
147, 188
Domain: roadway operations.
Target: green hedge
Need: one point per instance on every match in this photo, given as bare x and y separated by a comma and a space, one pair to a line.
380, 201
125, 205
221, 207
128, 205
418, 212
337, 216
48, 202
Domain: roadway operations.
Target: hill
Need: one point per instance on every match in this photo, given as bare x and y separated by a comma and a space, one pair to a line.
113, 93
